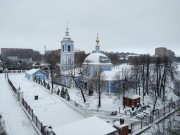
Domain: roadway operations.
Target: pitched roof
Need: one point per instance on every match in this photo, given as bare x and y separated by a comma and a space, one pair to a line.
32, 71
88, 126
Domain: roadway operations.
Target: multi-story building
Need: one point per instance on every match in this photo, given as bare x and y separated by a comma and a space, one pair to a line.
162, 51
15, 51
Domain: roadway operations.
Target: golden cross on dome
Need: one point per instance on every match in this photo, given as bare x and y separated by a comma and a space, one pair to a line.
97, 40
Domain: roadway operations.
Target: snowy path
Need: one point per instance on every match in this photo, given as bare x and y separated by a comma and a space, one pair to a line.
49, 109
16, 121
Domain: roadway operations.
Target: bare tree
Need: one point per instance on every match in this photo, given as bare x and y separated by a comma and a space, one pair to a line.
98, 81
169, 126
73, 75
118, 83
164, 72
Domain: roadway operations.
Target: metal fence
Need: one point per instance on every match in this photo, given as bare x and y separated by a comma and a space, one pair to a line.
12, 86
154, 116
34, 118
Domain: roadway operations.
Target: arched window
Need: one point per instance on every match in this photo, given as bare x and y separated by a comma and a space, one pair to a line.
69, 48
63, 48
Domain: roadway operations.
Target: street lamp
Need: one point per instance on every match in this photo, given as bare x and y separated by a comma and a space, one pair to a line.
6, 72
50, 68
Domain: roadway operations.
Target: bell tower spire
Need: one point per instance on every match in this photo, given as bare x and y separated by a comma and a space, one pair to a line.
97, 45
67, 32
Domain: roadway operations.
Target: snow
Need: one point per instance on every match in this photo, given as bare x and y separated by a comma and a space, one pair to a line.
16, 121
116, 73
88, 126
133, 96
94, 58
32, 71
49, 109
110, 75
117, 124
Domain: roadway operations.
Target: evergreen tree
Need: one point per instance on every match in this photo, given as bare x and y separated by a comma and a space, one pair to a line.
58, 91
48, 86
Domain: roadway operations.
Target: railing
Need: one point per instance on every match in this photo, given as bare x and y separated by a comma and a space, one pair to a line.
154, 116
33, 117
12, 86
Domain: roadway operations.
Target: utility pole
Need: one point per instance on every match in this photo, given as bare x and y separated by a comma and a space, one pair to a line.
51, 76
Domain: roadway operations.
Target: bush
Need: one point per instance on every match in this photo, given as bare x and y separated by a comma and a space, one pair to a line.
48, 86
58, 91
67, 97
62, 92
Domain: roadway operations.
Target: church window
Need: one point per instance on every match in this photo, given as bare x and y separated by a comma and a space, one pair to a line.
63, 48
69, 61
69, 48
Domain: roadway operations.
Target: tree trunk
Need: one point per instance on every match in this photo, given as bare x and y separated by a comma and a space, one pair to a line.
147, 79
79, 88
143, 80
154, 106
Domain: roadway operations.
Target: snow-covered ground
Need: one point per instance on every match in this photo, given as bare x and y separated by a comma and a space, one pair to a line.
169, 124
49, 109
52, 111
16, 121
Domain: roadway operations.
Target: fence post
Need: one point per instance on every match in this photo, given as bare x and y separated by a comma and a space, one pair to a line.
41, 127
36, 121
141, 123
32, 114
23, 101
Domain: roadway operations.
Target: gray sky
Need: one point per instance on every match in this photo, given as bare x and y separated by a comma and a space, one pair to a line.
123, 25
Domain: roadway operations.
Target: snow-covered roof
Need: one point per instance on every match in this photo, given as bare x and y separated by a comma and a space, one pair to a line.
32, 71
117, 124
134, 96
97, 58
88, 126
117, 73
112, 75
36, 64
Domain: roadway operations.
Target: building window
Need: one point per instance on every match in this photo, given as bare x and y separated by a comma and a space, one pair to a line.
69, 48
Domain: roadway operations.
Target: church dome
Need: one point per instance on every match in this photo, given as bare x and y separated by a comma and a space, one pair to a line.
97, 58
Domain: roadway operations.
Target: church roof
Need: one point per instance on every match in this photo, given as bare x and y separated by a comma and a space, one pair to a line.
97, 58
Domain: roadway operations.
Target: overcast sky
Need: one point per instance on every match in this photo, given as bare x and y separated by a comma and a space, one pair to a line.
137, 26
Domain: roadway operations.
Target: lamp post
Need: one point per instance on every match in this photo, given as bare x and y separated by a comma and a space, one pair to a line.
50, 68
6, 72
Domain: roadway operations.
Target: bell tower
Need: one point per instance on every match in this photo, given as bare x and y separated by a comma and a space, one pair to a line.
67, 52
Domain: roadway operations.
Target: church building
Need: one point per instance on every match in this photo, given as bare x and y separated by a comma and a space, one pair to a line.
95, 66
96, 62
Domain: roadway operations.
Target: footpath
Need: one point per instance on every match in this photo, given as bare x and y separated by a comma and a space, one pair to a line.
16, 121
